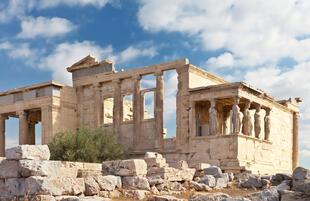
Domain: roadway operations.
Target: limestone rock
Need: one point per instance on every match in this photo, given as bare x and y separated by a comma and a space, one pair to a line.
54, 186
182, 164
209, 180
133, 167
109, 182
213, 170
235, 199
303, 187
32, 152
201, 166
294, 196
136, 194
15, 186
285, 185
94, 198
68, 172
199, 186
42, 198
165, 198
154, 190
88, 173
8, 168
135, 183
208, 197
252, 181
154, 180
172, 174
225, 176
67, 198
91, 186
278, 178
269, 195
155, 162
301, 173
29, 168
220, 183
152, 155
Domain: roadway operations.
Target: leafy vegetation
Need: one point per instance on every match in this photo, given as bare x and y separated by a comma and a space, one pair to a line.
86, 145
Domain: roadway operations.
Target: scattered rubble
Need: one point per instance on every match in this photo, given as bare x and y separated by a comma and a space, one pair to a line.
37, 178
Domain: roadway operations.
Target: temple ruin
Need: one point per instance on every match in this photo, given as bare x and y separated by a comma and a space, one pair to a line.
231, 125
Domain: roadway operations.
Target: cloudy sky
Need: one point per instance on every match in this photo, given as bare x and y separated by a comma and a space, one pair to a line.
264, 43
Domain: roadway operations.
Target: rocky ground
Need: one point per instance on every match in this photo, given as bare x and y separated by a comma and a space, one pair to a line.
28, 174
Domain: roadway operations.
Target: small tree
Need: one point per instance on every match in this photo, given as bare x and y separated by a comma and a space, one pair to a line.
86, 145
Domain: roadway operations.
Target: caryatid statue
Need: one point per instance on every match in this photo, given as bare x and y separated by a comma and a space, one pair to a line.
213, 125
267, 121
257, 122
236, 116
247, 123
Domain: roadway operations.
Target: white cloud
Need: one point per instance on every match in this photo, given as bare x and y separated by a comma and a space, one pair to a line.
66, 54
20, 8
255, 32
45, 27
50, 4
304, 152
21, 51
224, 60
5, 45
132, 53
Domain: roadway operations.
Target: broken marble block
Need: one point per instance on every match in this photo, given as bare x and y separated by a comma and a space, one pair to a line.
133, 167
31, 152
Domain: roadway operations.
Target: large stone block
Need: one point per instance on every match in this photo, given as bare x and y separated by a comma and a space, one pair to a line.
15, 186
213, 170
136, 183
91, 186
208, 197
164, 198
133, 167
54, 186
136, 194
172, 174
8, 168
209, 180
301, 173
29, 168
109, 182
156, 162
32, 152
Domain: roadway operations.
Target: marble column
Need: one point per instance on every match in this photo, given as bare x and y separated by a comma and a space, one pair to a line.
23, 127
98, 108
47, 124
159, 110
295, 140
31, 138
2, 135
137, 112
117, 107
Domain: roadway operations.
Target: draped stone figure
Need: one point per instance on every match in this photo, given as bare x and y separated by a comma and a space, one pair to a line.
267, 121
247, 123
257, 122
213, 126
236, 116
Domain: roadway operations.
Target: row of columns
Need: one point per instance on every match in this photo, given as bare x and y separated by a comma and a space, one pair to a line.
26, 130
241, 120
137, 108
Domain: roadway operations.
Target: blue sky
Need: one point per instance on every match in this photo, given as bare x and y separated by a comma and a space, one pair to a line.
264, 43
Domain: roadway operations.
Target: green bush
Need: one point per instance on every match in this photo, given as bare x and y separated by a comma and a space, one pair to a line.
86, 145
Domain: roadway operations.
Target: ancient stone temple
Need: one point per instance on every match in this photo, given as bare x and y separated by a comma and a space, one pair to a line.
231, 125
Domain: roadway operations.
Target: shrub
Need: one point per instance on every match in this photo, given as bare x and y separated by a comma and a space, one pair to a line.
86, 145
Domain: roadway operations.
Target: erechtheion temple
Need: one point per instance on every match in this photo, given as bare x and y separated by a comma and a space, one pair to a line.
231, 125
